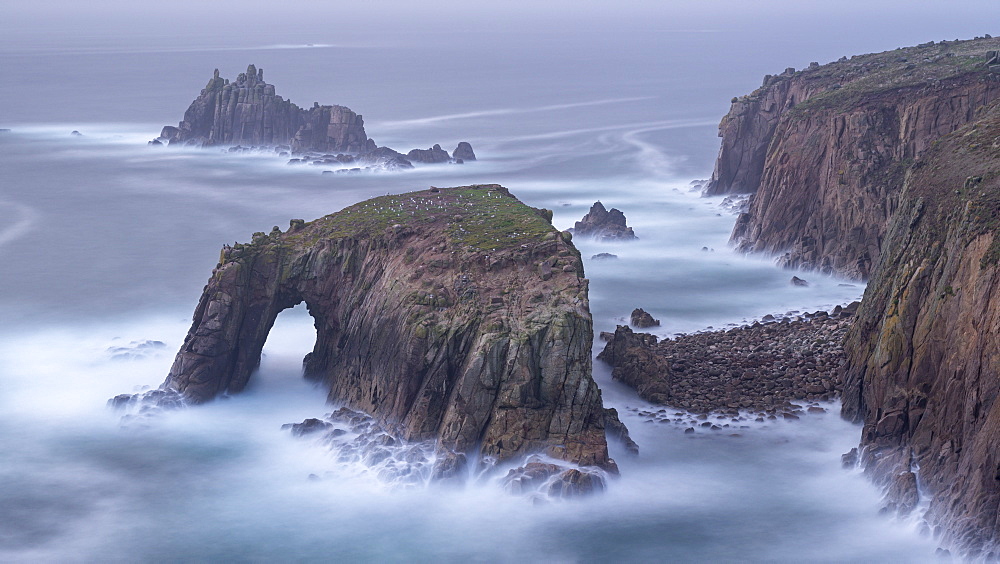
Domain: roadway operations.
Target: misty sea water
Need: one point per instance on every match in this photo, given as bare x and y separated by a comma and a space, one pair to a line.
106, 243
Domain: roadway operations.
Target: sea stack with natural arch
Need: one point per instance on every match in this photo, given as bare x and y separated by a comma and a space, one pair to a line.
455, 314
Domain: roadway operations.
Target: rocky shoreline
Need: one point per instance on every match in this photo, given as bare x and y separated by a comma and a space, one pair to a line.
759, 369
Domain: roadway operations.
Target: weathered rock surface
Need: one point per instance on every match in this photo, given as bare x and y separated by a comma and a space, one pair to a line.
923, 371
825, 150
758, 368
433, 313
603, 225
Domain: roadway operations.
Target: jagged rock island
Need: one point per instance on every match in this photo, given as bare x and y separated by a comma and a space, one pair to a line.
248, 114
888, 166
456, 314
604, 225
825, 149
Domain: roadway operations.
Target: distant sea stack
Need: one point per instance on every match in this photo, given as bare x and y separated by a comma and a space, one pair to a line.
825, 149
888, 166
455, 314
604, 225
247, 113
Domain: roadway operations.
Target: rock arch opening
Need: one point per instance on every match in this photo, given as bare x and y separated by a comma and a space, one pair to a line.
290, 339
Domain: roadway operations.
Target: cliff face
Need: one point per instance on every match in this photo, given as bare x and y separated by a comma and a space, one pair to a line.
457, 314
924, 357
824, 150
247, 111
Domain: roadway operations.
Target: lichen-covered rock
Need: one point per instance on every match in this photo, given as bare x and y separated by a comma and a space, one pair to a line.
825, 150
604, 225
923, 371
431, 315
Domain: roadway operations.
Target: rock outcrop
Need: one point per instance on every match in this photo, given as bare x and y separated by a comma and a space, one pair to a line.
603, 225
923, 371
464, 152
825, 149
433, 155
458, 315
642, 319
247, 113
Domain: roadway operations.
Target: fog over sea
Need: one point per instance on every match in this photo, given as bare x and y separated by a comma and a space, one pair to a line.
106, 243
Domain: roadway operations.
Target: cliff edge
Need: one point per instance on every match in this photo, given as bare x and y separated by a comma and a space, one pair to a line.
455, 314
824, 150
923, 359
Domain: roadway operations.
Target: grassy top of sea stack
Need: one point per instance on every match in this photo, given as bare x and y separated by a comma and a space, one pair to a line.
481, 217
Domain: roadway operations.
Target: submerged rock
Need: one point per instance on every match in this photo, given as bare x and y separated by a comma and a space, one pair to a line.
308, 426
431, 315
603, 225
552, 481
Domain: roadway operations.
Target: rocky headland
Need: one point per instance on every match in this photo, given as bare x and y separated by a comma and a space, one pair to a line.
247, 115
825, 149
455, 315
887, 167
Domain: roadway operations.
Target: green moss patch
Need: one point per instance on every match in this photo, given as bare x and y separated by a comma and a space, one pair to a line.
482, 217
